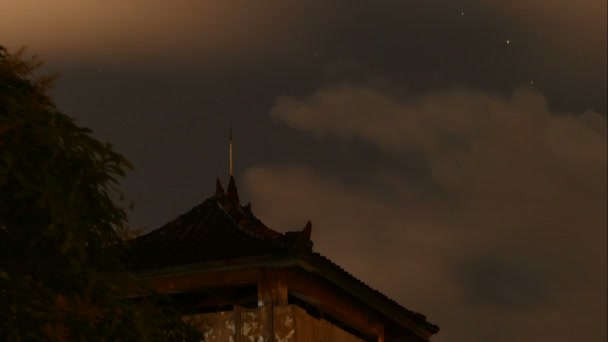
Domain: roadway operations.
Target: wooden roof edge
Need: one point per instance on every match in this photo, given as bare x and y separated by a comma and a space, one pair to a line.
313, 263
266, 261
389, 308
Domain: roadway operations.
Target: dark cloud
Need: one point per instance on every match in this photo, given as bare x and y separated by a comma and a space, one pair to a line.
559, 45
516, 235
489, 282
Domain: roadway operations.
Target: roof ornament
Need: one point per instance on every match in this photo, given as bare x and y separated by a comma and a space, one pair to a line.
306, 231
219, 190
299, 239
230, 150
232, 192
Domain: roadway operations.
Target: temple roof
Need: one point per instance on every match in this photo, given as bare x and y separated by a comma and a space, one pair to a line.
221, 230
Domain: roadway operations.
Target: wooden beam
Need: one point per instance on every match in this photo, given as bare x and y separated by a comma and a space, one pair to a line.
386, 308
192, 282
334, 303
214, 298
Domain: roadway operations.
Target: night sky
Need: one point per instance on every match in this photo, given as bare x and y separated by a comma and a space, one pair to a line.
451, 154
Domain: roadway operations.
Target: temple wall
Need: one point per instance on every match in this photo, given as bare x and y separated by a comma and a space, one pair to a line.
291, 324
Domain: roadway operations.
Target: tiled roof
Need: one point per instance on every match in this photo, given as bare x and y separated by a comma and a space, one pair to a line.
359, 286
217, 229
221, 229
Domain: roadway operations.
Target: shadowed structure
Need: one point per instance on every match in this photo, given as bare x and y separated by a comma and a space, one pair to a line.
228, 272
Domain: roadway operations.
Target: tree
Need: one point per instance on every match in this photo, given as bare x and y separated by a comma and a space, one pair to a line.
60, 205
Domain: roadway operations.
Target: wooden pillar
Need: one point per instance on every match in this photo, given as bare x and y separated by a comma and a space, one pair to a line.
272, 291
237, 315
379, 327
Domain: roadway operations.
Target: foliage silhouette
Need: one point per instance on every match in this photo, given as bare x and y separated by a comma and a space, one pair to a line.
61, 278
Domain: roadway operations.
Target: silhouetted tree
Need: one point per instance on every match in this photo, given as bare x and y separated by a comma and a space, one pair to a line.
61, 278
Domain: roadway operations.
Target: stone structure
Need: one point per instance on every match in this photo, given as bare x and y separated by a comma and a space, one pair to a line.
238, 280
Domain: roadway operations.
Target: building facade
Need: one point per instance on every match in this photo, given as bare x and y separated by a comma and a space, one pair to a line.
237, 280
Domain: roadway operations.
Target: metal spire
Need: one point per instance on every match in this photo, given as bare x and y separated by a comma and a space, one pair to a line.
230, 149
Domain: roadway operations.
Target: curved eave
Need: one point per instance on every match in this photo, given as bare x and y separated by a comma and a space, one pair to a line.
322, 267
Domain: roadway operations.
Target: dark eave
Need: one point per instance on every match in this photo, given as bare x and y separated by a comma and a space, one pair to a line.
313, 263
374, 298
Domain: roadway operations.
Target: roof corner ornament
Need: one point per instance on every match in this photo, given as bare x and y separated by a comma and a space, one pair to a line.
299, 239
307, 231
219, 190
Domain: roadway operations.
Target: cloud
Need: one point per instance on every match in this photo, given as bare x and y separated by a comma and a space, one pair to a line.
136, 30
571, 18
513, 245
77, 30
462, 132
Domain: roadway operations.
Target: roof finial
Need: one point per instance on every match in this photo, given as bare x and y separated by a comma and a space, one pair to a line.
230, 149
219, 190
232, 192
